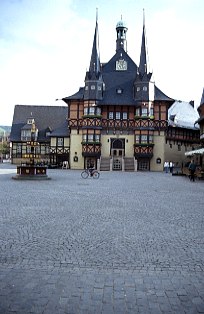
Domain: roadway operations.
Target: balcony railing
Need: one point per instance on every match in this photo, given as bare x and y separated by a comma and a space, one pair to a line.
118, 124
143, 151
91, 149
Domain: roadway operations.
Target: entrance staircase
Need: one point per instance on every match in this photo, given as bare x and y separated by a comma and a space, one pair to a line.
105, 164
129, 164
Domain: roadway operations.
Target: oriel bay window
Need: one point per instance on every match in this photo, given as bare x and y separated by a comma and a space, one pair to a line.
92, 111
91, 138
144, 112
144, 139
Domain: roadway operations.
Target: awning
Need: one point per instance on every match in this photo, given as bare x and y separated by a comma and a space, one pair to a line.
199, 151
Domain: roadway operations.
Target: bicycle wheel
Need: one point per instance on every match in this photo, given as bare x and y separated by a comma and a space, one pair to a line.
84, 174
96, 174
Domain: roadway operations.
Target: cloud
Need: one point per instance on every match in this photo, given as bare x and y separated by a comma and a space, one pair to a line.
45, 46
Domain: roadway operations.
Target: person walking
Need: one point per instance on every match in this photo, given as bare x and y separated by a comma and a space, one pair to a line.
166, 166
171, 165
192, 169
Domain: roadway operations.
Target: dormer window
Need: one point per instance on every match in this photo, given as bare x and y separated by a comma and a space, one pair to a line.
26, 135
144, 88
30, 121
119, 91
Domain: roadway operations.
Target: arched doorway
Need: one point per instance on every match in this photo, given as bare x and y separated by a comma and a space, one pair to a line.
117, 152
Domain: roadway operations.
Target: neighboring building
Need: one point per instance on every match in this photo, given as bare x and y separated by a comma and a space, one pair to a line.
198, 152
119, 119
4, 142
200, 121
51, 134
182, 134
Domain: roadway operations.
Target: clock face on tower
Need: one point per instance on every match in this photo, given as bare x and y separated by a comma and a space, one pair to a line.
121, 65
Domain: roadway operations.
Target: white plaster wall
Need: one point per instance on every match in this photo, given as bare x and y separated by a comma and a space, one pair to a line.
75, 141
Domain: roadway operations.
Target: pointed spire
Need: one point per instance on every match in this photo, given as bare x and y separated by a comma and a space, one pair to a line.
94, 68
143, 54
93, 79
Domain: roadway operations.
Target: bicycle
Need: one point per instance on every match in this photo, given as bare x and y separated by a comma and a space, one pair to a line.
91, 172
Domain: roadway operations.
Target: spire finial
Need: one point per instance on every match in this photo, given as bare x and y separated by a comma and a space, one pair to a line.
96, 14
143, 17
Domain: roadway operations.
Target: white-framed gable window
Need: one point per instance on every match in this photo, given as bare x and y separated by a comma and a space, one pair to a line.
60, 141
25, 135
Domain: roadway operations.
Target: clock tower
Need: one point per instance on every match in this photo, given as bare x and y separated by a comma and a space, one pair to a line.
121, 30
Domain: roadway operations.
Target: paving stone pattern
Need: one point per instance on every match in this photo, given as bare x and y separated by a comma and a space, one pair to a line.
126, 243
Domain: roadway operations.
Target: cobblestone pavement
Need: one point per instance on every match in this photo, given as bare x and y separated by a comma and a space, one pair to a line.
126, 243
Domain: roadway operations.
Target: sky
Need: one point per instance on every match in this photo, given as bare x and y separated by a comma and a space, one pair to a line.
45, 46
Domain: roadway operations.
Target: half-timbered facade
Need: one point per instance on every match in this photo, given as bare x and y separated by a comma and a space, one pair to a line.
119, 119
46, 126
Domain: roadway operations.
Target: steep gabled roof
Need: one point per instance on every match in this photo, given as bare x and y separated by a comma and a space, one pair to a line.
160, 96
77, 96
119, 86
115, 80
62, 131
45, 117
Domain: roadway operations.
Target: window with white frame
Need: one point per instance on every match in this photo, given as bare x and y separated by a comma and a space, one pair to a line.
97, 138
144, 112
117, 115
60, 141
124, 115
137, 112
143, 138
28, 149
151, 113
150, 139
25, 135
91, 110
110, 115
98, 110
90, 138
137, 138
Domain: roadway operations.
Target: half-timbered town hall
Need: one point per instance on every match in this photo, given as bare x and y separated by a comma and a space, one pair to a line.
119, 119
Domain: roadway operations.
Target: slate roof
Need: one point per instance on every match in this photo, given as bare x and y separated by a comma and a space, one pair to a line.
78, 95
61, 131
47, 118
182, 114
115, 80
159, 95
